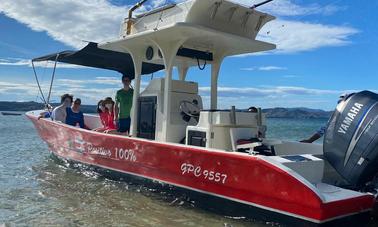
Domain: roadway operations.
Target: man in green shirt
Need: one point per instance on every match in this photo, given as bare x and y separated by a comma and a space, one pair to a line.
124, 102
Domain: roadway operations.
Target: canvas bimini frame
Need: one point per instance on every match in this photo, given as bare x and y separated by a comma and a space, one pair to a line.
46, 102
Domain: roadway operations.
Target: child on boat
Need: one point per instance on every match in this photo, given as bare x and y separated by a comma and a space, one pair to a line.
105, 109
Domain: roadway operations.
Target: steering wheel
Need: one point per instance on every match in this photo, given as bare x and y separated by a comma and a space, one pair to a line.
190, 109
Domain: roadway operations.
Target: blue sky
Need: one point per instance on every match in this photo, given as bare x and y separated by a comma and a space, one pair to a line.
324, 48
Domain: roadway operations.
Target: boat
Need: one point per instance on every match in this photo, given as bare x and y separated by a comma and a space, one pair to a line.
10, 114
221, 156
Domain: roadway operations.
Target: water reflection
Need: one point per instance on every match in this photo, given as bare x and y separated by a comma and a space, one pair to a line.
81, 196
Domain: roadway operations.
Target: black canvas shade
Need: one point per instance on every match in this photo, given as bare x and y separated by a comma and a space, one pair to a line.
92, 56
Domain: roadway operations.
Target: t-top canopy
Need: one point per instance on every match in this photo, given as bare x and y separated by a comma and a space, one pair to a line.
92, 56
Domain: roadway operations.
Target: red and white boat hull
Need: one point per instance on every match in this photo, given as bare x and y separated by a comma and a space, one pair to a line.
241, 178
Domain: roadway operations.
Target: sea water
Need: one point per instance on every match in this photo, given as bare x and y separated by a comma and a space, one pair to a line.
36, 190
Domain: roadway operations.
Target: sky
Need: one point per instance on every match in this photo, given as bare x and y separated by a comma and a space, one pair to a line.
324, 49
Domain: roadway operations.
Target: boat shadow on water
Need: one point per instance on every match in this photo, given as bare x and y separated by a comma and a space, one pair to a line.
128, 185
189, 200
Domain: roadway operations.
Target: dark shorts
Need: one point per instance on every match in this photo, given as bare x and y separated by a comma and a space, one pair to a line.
123, 125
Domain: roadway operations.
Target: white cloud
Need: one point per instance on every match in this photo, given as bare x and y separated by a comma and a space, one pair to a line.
264, 68
296, 36
71, 21
290, 76
271, 68
68, 21
278, 96
283, 7
96, 80
27, 62
289, 8
14, 62
157, 3
108, 80
242, 97
79, 88
29, 89
89, 90
269, 91
88, 95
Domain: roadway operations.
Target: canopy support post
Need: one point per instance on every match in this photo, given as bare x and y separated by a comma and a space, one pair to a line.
39, 85
52, 79
169, 52
134, 110
136, 53
215, 68
183, 71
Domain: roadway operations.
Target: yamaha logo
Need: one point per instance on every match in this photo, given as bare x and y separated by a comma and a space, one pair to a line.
350, 118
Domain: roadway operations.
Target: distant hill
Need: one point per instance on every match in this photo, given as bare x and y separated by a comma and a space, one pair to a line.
27, 106
297, 113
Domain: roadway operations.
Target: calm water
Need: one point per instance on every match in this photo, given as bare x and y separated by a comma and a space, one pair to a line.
36, 190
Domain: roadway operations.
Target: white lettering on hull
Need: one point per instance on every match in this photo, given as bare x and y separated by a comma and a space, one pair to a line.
125, 154
205, 174
101, 151
116, 153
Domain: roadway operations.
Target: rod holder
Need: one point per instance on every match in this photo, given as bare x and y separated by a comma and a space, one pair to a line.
233, 115
259, 117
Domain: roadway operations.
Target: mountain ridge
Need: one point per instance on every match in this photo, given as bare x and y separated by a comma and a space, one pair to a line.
277, 112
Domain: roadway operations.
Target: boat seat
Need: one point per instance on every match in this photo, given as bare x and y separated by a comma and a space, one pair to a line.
248, 145
92, 121
242, 133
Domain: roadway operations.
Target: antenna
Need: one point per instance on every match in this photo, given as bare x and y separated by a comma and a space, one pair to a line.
260, 4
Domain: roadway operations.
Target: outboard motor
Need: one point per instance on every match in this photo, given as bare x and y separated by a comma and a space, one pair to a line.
351, 140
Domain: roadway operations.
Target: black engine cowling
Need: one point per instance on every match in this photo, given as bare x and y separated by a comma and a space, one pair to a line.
351, 140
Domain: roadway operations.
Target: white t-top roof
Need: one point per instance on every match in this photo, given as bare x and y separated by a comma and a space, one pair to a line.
219, 27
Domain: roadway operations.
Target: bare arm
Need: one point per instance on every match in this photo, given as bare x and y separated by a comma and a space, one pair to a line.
116, 111
312, 139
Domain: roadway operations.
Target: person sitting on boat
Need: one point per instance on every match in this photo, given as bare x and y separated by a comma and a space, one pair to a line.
47, 112
74, 116
100, 110
105, 109
60, 113
122, 108
109, 108
252, 109
318, 134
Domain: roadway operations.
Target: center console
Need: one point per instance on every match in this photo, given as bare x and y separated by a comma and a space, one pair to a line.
215, 127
